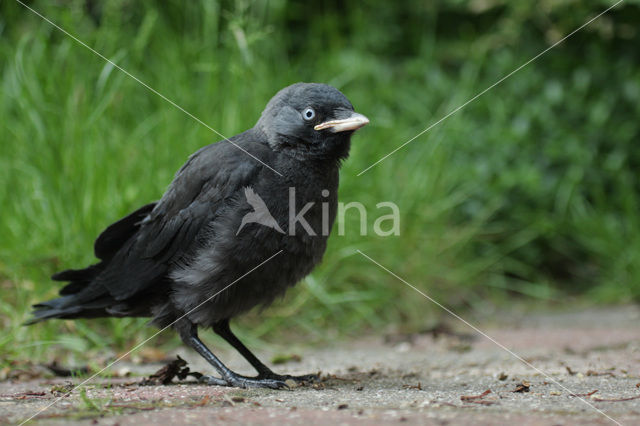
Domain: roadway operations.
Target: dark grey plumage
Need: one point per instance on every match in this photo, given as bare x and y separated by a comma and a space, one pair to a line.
168, 257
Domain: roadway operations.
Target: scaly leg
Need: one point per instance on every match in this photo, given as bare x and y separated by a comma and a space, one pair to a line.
189, 334
223, 330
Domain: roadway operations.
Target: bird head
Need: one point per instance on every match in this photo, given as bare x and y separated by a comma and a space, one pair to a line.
310, 120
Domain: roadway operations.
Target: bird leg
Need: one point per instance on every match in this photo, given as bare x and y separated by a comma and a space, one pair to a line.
223, 330
189, 335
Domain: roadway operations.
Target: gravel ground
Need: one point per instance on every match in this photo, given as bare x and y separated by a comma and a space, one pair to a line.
449, 378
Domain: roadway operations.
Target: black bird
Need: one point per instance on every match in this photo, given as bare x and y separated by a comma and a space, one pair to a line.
186, 262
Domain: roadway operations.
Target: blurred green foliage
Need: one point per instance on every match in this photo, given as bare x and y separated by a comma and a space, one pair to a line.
529, 192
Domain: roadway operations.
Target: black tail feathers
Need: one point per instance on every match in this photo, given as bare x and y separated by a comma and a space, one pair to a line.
49, 309
78, 278
77, 299
66, 307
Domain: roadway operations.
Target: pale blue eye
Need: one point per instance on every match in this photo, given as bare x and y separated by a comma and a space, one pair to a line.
308, 114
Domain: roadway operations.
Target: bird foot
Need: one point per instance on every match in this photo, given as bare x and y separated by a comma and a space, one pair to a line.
244, 382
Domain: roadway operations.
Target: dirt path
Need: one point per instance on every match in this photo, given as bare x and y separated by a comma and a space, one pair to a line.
423, 379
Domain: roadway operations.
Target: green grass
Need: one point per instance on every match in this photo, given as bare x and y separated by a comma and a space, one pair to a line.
529, 193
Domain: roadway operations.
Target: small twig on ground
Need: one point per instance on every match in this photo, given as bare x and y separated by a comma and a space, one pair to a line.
418, 386
598, 373
24, 395
474, 397
477, 399
164, 376
615, 399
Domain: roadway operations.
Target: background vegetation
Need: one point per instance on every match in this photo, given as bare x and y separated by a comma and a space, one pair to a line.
529, 194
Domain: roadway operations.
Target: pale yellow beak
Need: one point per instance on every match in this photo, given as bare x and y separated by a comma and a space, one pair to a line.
353, 122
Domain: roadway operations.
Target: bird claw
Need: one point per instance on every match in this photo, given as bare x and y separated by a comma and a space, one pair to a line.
244, 382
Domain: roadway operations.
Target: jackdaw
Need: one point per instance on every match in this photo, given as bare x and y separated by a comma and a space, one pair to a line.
189, 260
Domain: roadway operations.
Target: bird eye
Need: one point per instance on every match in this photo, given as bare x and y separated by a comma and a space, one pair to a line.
308, 114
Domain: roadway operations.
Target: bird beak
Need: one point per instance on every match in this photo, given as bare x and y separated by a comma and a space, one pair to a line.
353, 122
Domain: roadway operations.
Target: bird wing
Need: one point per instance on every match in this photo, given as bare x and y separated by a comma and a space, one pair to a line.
116, 235
168, 233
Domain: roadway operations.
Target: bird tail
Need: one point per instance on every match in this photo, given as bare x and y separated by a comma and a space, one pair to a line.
74, 303
67, 307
